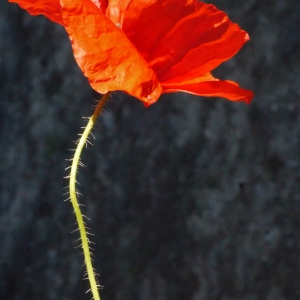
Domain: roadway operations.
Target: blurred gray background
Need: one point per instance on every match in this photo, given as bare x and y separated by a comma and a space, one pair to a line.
192, 199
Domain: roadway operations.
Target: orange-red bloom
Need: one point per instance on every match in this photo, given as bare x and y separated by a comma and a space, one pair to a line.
148, 47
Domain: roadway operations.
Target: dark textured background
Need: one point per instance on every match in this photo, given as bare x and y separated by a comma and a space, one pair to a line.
191, 199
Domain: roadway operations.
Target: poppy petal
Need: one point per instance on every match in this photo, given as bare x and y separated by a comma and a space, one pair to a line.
212, 39
146, 22
211, 87
184, 42
104, 53
101, 4
182, 61
222, 43
146, 47
51, 9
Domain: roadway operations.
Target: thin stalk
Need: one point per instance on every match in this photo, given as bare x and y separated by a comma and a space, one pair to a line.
72, 190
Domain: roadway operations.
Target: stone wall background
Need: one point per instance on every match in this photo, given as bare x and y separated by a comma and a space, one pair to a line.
190, 199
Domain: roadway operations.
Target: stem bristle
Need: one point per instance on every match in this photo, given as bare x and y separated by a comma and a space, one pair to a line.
84, 240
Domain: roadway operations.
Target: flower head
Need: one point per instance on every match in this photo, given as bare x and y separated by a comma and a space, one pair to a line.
148, 47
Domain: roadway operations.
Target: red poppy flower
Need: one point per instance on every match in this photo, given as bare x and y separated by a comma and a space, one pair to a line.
148, 47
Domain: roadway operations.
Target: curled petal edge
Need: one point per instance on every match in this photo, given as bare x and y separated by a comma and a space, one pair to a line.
50, 9
216, 88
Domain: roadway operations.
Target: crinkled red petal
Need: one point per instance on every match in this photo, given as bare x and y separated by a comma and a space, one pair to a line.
174, 42
209, 54
147, 22
179, 36
51, 9
104, 53
184, 41
212, 88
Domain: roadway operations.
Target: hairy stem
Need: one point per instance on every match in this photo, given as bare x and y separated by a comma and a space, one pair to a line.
72, 190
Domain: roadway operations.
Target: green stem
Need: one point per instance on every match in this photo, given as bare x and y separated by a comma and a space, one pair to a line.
72, 190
